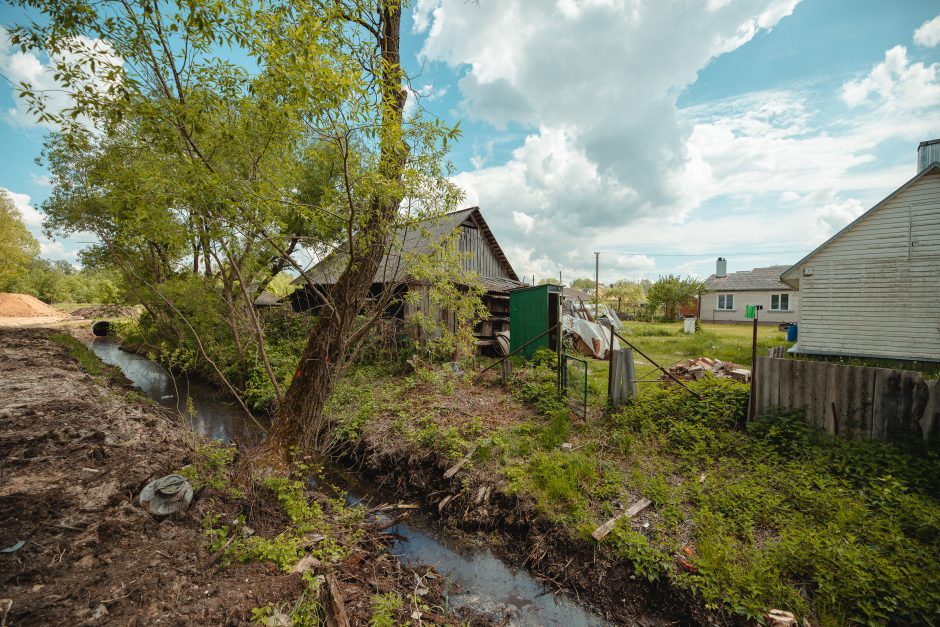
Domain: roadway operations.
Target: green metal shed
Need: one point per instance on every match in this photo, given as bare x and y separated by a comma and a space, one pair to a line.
533, 311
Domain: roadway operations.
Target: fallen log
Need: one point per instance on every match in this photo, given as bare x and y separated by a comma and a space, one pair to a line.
601, 532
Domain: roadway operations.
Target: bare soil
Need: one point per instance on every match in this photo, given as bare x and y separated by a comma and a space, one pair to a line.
23, 311
94, 312
90, 554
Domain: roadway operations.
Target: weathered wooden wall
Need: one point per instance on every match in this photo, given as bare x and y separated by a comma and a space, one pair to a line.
851, 401
482, 259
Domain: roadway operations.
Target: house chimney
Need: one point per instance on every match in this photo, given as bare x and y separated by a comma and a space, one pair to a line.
928, 152
721, 268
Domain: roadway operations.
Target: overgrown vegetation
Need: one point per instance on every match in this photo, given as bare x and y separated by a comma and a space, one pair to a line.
775, 516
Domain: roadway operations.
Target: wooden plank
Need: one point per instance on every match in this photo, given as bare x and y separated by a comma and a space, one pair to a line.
832, 404
773, 379
604, 530
456, 467
930, 418
762, 382
817, 372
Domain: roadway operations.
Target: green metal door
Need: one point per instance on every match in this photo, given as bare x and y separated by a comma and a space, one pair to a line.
528, 318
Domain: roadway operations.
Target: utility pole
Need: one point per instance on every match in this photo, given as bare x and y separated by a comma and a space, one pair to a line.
560, 282
597, 281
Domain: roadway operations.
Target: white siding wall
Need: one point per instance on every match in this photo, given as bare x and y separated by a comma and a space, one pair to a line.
711, 313
875, 291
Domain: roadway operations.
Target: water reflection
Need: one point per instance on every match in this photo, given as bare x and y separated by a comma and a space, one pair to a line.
479, 579
213, 415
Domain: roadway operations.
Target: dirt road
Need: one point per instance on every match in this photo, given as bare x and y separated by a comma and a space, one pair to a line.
89, 554
76, 450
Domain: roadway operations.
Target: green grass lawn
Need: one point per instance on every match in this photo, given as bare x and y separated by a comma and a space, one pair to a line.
666, 343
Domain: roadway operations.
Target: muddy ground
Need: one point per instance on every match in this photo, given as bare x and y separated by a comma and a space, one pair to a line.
76, 450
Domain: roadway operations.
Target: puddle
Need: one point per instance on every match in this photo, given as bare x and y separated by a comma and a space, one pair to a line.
479, 579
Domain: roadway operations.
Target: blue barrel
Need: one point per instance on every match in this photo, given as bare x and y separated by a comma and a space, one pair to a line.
791, 333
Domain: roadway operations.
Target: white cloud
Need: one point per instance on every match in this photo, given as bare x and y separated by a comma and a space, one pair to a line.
596, 82
928, 35
49, 248
523, 220
29, 68
31, 216
896, 84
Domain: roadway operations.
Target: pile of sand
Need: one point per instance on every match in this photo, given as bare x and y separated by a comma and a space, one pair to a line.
25, 306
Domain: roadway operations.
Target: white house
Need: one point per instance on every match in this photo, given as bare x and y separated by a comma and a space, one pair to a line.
873, 289
727, 295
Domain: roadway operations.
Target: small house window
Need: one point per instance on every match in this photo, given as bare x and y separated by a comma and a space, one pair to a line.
726, 301
780, 302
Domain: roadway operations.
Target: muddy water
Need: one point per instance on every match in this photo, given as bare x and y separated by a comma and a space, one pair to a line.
478, 578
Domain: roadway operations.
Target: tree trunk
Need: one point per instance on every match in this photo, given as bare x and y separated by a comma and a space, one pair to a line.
300, 421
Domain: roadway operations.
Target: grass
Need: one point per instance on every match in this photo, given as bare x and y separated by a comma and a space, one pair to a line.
775, 516
86, 359
667, 344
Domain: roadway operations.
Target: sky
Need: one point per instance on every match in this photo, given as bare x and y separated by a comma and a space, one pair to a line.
660, 134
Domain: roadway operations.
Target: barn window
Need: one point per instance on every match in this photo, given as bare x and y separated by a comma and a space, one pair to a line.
780, 302
726, 301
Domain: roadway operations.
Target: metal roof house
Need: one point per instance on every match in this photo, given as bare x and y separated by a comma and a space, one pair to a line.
873, 289
727, 295
482, 257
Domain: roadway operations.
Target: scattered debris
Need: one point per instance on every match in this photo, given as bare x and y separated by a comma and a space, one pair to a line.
88, 473
780, 618
333, 603
5, 605
590, 338
687, 566
166, 495
687, 552
305, 563
701, 367
601, 532
566, 447
13, 549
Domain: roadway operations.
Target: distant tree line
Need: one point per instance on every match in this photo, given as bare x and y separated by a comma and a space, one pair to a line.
23, 271
643, 299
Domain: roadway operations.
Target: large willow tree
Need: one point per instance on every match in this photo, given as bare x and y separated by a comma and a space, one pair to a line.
210, 141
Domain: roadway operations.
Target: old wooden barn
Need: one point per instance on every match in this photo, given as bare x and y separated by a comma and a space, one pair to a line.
481, 256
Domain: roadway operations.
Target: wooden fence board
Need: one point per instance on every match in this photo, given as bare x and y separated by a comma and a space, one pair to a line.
851, 401
816, 375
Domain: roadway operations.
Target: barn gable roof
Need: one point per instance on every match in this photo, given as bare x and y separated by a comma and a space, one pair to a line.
414, 238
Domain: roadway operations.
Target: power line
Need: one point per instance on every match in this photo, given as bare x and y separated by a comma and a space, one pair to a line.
707, 254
